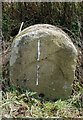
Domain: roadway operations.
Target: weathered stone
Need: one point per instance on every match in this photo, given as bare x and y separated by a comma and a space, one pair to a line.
43, 59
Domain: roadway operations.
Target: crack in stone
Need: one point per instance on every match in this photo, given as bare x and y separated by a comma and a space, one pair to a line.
38, 59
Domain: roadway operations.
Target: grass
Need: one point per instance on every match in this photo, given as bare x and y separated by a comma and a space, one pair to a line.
23, 104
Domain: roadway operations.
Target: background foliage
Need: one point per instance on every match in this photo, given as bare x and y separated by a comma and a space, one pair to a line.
67, 15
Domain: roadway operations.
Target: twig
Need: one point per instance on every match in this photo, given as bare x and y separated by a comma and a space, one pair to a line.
21, 27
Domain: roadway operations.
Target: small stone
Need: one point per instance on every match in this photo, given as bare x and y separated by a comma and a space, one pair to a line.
54, 54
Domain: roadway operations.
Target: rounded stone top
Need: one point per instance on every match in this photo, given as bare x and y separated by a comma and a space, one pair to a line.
41, 29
